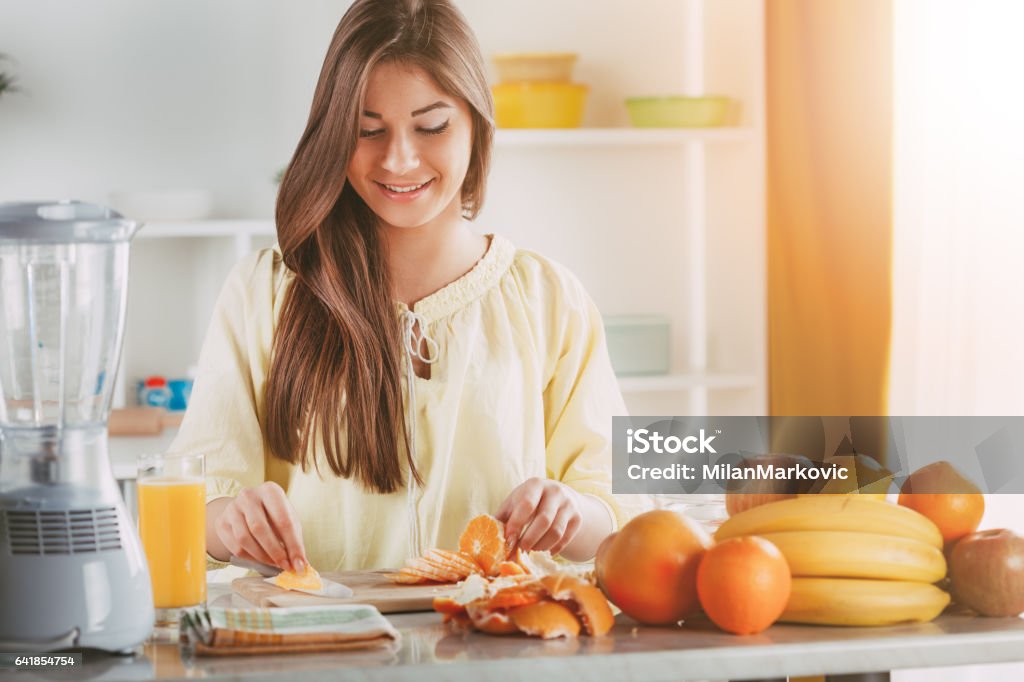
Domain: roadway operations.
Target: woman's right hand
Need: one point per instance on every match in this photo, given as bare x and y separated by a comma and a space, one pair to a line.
260, 524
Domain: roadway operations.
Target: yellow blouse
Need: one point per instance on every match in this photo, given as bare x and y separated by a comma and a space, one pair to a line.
521, 386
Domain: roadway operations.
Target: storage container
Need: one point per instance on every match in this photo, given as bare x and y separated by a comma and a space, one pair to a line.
539, 105
535, 66
638, 344
678, 112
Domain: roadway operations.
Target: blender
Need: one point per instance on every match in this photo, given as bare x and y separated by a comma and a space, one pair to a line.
72, 570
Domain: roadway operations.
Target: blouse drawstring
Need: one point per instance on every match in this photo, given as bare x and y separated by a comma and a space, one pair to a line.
414, 336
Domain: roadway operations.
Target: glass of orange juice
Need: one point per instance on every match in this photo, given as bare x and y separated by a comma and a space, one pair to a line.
172, 524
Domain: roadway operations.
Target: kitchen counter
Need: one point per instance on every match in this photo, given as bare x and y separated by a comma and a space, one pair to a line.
430, 650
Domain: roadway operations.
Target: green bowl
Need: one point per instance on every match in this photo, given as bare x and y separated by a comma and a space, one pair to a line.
678, 112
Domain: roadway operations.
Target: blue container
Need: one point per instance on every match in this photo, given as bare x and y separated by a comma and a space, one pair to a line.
181, 391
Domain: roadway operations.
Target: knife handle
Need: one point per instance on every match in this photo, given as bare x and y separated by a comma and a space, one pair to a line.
266, 570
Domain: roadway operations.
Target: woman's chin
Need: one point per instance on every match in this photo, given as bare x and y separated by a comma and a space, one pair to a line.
407, 220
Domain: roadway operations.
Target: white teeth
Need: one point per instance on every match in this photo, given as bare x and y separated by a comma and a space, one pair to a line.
403, 190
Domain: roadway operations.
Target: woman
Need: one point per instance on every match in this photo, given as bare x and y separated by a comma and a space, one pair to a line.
388, 374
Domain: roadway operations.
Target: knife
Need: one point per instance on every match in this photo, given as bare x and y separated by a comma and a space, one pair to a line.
266, 570
330, 588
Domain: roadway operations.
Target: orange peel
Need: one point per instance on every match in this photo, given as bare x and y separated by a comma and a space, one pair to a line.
517, 595
586, 601
448, 606
545, 619
491, 622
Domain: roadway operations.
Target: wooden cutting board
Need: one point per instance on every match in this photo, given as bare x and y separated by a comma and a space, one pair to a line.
370, 587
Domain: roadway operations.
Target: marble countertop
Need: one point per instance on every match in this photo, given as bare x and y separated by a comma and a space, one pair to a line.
696, 651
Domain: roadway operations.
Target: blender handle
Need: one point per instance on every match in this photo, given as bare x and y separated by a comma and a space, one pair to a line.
62, 642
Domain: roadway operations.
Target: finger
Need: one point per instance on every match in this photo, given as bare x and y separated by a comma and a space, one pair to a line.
551, 536
528, 496
248, 548
263, 534
288, 529
227, 535
506, 506
543, 517
571, 531
509, 503
234, 533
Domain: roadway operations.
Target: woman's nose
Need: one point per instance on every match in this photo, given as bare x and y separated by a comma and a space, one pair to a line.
401, 155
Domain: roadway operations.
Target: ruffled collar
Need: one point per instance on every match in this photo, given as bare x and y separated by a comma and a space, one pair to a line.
471, 286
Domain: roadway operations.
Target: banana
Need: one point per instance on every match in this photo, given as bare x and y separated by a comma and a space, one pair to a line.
845, 554
832, 512
847, 601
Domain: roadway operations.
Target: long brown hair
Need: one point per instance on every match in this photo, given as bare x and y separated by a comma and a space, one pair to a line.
337, 357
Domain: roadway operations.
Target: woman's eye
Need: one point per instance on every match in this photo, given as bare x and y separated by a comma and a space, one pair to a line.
436, 131
428, 131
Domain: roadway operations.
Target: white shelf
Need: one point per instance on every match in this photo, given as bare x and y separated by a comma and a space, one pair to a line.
582, 137
685, 382
207, 228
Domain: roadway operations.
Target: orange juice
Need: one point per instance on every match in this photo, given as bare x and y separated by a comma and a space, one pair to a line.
172, 523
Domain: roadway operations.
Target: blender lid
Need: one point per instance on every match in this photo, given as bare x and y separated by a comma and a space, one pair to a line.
63, 221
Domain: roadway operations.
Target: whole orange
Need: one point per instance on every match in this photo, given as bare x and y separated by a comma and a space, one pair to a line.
950, 500
743, 584
649, 568
956, 514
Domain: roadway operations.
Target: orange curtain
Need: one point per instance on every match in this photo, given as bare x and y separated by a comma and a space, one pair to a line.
829, 156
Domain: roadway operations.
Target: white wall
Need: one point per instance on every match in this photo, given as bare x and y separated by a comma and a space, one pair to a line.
152, 94
140, 93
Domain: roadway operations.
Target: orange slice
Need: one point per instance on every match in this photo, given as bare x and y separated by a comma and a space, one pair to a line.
454, 560
506, 568
403, 577
484, 540
427, 576
309, 579
438, 573
450, 574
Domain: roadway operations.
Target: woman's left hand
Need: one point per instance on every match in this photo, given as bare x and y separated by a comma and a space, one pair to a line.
549, 511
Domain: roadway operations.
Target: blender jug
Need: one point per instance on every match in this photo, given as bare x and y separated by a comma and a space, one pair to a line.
72, 570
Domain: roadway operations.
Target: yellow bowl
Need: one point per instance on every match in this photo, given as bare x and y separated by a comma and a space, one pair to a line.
539, 105
535, 66
678, 112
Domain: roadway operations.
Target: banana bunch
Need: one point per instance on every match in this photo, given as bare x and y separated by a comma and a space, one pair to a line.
854, 560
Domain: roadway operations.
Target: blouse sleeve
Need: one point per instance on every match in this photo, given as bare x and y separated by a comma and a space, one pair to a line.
224, 412
580, 400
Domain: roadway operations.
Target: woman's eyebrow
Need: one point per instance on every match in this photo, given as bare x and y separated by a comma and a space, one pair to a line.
418, 112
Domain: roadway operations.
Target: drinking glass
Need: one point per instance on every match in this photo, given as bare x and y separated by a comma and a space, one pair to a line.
172, 524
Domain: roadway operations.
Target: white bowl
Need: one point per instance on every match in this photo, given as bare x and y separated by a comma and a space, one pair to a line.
163, 204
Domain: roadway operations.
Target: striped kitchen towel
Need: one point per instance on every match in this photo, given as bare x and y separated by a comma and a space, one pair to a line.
219, 631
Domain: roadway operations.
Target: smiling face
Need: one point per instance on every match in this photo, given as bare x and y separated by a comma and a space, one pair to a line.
414, 147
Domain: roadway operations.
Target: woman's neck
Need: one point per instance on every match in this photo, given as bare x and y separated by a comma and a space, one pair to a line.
424, 259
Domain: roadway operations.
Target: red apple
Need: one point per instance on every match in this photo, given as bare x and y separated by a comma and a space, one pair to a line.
987, 572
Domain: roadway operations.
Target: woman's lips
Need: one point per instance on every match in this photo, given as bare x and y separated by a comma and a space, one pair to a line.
407, 195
